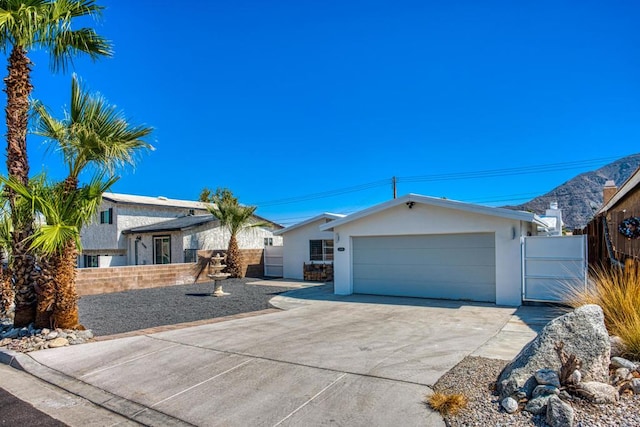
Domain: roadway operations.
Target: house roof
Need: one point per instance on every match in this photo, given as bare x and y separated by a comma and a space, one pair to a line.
177, 224
631, 183
444, 203
326, 215
154, 201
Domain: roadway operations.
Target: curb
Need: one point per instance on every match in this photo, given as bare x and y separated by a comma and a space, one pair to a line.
124, 407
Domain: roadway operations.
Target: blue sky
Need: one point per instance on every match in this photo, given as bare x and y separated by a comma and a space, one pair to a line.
278, 100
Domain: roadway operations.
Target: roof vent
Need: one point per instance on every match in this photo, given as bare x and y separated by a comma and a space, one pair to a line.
162, 198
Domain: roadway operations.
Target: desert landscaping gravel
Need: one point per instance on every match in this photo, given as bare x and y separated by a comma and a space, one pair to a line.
475, 377
119, 312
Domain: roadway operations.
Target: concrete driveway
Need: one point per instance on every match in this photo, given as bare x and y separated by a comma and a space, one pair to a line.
358, 360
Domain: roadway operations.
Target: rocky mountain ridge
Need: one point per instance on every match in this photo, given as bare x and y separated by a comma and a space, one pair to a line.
580, 197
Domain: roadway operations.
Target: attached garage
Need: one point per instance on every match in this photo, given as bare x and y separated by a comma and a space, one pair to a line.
419, 246
450, 266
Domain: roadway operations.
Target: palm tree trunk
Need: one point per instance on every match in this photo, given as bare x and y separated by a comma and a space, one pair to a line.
46, 292
6, 293
234, 259
65, 310
18, 89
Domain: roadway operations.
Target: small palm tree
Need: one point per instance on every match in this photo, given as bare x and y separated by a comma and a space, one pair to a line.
64, 213
26, 25
6, 284
236, 218
92, 134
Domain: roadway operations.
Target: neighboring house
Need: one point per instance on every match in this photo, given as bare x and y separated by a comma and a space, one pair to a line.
305, 243
614, 232
420, 246
139, 230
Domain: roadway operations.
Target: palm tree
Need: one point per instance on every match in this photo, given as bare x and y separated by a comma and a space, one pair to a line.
92, 134
26, 25
235, 217
6, 286
64, 213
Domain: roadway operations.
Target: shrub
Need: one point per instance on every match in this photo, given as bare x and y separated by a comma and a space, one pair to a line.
447, 404
617, 291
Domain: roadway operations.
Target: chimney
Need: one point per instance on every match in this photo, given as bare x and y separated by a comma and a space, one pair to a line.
608, 191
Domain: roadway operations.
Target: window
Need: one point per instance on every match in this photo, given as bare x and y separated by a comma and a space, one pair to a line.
106, 217
90, 261
162, 250
190, 255
268, 241
321, 250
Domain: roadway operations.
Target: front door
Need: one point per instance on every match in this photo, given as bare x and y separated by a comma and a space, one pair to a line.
162, 250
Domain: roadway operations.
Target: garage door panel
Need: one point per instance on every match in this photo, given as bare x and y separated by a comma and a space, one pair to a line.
453, 266
426, 273
460, 256
456, 291
476, 240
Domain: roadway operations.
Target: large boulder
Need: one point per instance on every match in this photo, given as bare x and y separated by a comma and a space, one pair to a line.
583, 334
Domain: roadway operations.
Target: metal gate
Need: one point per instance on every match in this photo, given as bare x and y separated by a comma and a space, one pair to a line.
553, 266
273, 261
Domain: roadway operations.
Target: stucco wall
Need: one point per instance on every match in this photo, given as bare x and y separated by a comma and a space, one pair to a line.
206, 237
424, 219
296, 247
125, 216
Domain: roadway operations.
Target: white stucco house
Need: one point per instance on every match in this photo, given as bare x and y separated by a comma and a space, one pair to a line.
304, 242
421, 246
140, 230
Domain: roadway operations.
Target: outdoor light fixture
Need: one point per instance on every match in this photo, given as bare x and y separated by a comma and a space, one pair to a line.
410, 204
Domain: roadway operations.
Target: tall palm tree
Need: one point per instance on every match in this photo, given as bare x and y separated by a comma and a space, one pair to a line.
92, 134
235, 217
26, 25
64, 213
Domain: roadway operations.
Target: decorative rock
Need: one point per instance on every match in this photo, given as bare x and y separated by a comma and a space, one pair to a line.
584, 335
85, 335
51, 335
620, 374
5, 341
618, 347
45, 331
509, 404
620, 362
58, 342
635, 385
538, 405
575, 377
559, 413
596, 392
547, 377
545, 390
12, 333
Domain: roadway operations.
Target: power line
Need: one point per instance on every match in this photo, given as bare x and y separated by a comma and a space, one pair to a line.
544, 168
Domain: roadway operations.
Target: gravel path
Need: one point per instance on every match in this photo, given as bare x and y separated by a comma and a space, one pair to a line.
118, 312
475, 377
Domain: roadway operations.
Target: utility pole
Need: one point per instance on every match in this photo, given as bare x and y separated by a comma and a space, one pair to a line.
394, 182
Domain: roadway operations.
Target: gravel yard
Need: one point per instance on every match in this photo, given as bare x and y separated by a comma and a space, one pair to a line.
118, 312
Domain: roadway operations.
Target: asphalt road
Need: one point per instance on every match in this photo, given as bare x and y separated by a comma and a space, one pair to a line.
15, 412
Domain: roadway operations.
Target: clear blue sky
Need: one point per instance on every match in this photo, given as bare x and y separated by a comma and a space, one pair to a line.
282, 99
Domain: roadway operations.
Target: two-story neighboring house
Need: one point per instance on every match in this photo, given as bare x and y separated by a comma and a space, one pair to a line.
142, 230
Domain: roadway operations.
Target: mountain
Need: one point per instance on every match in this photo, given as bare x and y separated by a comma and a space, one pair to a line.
581, 196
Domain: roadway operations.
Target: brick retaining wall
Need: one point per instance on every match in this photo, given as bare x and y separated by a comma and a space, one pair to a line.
92, 281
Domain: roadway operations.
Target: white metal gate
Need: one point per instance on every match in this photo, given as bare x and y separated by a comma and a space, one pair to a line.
553, 266
273, 261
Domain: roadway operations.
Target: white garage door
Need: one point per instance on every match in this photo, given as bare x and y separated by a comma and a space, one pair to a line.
451, 266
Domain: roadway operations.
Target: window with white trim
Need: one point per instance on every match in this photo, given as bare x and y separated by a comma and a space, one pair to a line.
162, 249
321, 250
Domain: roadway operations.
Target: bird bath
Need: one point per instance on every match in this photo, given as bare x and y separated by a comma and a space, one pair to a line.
215, 272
